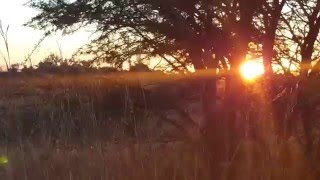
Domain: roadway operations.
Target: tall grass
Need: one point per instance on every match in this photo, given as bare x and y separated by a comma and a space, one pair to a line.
79, 127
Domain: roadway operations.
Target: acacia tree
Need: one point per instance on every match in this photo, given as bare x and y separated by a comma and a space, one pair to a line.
197, 29
194, 32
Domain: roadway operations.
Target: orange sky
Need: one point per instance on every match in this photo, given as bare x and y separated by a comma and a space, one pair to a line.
23, 39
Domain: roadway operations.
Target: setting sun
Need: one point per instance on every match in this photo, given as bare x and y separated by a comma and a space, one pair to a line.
250, 70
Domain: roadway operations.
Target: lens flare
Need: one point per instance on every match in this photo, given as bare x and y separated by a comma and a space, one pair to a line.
3, 160
250, 70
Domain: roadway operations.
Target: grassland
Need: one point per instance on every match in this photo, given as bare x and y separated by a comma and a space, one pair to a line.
82, 127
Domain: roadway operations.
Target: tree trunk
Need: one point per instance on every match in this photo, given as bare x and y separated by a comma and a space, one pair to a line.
195, 56
269, 86
235, 88
234, 103
204, 63
213, 130
268, 54
302, 103
271, 21
305, 66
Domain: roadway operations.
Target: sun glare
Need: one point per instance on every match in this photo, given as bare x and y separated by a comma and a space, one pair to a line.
251, 70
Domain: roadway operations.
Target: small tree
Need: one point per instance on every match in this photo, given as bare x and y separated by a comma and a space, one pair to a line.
4, 35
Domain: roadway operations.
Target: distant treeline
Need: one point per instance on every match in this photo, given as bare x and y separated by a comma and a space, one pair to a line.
54, 64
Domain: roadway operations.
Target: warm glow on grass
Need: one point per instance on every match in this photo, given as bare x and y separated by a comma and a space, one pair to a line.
250, 70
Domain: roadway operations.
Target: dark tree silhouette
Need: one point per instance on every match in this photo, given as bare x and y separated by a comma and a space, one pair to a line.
271, 17
198, 33
300, 28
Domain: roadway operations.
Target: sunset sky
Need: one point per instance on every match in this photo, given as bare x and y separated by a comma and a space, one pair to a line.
22, 39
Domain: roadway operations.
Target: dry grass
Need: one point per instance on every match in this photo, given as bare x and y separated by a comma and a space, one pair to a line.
75, 128
151, 161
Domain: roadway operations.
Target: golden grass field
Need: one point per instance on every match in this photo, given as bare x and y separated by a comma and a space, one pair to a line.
74, 127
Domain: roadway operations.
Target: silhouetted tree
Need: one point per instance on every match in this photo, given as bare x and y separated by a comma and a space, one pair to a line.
301, 30
302, 22
198, 33
271, 15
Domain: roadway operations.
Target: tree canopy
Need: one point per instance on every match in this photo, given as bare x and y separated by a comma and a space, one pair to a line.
201, 33
205, 34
